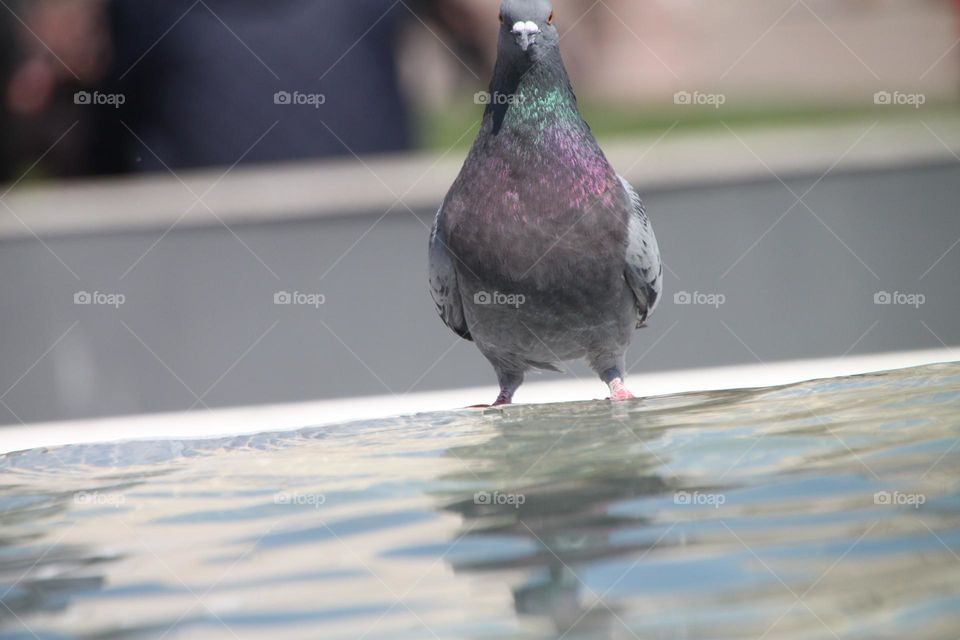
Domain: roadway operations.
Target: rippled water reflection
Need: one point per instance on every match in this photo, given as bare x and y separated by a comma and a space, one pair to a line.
817, 510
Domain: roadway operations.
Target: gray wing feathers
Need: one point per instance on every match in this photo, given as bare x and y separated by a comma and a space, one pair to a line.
443, 282
644, 272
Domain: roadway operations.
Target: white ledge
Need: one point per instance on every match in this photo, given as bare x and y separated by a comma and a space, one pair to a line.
205, 424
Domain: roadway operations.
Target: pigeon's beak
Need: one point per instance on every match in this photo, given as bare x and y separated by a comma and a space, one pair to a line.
526, 33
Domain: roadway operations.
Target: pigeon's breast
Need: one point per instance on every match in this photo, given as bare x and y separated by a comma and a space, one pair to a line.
536, 232
538, 209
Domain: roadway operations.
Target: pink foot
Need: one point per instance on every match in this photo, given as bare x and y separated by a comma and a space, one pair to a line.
500, 402
618, 392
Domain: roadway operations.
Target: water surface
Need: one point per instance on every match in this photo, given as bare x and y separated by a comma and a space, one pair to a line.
819, 510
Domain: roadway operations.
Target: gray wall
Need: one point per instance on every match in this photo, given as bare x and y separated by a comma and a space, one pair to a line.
202, 303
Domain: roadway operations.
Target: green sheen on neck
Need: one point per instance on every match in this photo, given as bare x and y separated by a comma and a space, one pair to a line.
541, 106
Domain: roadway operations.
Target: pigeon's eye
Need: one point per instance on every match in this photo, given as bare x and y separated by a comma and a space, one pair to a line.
550, 19
500, 17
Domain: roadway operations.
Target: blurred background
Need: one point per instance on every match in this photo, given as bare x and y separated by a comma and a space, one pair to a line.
397, 76
222, 202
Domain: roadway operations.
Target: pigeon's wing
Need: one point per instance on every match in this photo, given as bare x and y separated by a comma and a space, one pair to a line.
443, 282
644, 271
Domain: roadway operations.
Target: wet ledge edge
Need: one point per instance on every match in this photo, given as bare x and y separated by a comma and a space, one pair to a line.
236, 421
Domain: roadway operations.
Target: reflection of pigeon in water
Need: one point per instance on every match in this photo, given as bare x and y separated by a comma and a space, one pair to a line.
541, 253
556, 597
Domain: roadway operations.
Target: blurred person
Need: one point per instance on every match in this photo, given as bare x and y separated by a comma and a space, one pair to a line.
7, 53
184, 83
48, 50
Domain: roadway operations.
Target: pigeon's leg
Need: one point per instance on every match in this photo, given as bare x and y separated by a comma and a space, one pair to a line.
613, 377
618, 392
510, 381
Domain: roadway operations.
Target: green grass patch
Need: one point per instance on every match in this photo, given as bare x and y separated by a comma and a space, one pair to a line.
442, 130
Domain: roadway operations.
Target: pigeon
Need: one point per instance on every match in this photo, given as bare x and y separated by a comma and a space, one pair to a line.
541, 253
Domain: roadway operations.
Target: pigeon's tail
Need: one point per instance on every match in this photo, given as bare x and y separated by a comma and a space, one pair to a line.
543, 366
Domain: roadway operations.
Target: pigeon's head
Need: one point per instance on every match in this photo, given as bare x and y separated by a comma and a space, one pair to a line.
526, 27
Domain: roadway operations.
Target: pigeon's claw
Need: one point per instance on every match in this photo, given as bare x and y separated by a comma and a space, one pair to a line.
618, 392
